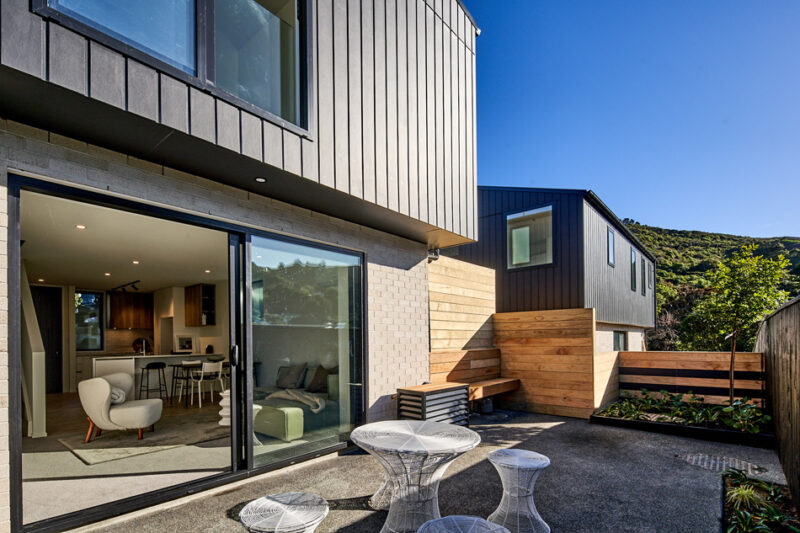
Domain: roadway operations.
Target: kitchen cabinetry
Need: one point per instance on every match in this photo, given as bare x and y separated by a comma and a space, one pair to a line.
130, 310
200, 305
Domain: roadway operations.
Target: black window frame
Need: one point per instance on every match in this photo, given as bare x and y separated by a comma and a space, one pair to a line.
633, 269
650, 275
644, 276
203, 78
611, 250
620, 334
103, 307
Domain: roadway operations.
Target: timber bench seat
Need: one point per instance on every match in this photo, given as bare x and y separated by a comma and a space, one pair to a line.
479, 368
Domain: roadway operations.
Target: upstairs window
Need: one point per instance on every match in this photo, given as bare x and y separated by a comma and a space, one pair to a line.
620, 341
164, 29
610, 247
250, 52
650, 275
644, 277
530, 237
633, 270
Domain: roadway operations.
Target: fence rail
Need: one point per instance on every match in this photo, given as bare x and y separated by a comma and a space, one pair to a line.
779, 339
702, 373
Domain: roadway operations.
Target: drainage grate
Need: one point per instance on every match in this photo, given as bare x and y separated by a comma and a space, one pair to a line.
717, 463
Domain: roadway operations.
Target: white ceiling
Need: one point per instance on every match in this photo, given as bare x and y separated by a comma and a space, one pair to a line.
169, 253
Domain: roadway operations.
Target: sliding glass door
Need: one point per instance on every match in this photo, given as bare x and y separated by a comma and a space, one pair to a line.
307, 392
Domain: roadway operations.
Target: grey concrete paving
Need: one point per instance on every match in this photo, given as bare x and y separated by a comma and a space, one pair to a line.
602, 479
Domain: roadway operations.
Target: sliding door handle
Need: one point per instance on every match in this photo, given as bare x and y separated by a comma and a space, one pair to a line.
235, 355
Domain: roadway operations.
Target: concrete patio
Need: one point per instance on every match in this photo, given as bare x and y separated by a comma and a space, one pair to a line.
602, 479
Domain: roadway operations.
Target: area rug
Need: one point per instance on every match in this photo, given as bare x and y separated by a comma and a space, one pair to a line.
171, 432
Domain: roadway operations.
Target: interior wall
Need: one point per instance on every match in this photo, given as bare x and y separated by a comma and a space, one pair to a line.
170, 302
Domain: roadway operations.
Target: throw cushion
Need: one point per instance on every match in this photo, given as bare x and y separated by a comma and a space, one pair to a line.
319, 383
117, 396
310, 373
291, 377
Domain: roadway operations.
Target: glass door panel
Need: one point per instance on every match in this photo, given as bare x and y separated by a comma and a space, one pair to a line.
306, 348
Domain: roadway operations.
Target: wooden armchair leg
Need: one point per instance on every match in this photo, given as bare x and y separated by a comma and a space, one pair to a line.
98, 432
89, 433
140, 433
153, 428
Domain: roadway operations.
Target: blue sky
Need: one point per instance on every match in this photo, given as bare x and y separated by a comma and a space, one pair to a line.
678, 113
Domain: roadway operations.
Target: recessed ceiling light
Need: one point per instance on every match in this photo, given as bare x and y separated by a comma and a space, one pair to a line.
135, 261
108, 273
40, 280
80, 226
261, 180
207, 271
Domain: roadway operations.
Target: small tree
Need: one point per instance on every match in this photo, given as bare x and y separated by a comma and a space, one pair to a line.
743, 290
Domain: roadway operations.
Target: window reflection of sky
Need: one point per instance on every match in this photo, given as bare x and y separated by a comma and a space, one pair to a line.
269, 253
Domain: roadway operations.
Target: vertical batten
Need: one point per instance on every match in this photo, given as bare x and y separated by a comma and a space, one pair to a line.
341, 114
368, 98
325, 98
458, 178
354, 97
402, 107
473, 141
391, 105
381, 185
310, 147
441, 197
430, 115
422, 133
413, 134
67, 59
447, 127
462, 131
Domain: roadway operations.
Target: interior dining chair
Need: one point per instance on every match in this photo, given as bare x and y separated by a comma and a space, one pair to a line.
210, 373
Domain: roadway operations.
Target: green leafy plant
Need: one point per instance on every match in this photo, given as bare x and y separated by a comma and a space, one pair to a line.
744, 496
744, 416
745, 522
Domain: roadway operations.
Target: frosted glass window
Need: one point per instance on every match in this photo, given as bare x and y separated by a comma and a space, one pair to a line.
611, 258
633, 269
164, 29
256, 53
530, 237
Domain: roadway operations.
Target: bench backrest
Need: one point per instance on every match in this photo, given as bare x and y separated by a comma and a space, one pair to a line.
465, 366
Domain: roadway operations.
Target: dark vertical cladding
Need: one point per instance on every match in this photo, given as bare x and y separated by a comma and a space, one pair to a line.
558, 285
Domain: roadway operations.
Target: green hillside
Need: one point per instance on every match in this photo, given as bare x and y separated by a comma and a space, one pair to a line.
684, 257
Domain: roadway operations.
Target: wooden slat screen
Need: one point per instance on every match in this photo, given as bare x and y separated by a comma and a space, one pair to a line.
465, 366
702, 373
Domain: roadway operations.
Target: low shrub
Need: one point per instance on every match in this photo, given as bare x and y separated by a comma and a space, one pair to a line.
753, 505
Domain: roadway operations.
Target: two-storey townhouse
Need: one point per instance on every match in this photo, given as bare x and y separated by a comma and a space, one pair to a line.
202, 196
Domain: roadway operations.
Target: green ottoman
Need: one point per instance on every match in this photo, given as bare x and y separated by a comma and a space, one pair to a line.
284, 423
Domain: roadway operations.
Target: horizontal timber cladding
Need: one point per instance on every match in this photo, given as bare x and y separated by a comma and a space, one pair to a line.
555, 286
704, 374
462, 303
391, 117
464, 366
552, 354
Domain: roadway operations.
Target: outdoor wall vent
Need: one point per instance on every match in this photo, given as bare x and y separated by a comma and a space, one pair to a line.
433, 255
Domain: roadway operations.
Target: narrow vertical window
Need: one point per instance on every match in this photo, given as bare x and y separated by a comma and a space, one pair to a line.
650, 275
620, 341
610, 247
88, 321
633, 269
644, 277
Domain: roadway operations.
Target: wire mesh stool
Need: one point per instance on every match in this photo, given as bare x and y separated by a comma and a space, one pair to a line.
461, 524
518, 471
289, 512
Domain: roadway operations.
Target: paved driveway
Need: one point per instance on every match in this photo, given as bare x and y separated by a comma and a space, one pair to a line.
602, 479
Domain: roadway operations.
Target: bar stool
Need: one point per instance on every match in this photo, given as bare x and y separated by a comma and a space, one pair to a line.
144, 382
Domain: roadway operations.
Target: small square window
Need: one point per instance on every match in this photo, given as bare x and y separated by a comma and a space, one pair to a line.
610, 246
620, 341
530, 237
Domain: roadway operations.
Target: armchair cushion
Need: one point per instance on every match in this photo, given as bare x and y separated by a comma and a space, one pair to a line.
136, 414
117, 395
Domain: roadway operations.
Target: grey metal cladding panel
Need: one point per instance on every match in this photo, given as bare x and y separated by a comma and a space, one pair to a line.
273, 144
430, 113
142, 90
447, 151
68, 59
308, 153
356, 148
393, 187
106, 75
422, 133
228, 127
368, 100
174, 110
325, 96
381, 185
402, 107
292, 158
22, 38
462, 138
340, 95
413, 134
202, 120
472, 137
607, 288
459, 183
441, 197
252, 142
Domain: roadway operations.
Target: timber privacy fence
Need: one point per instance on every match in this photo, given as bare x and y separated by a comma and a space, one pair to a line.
779, 339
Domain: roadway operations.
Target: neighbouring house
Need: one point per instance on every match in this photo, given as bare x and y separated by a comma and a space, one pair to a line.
206, 196
554, 249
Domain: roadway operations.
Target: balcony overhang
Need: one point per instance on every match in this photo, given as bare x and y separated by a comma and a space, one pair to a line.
38, 103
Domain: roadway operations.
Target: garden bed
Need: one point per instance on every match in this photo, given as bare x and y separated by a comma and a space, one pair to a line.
668, 413
750, 505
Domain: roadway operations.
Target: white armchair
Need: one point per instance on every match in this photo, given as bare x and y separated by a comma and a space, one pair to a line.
95, 396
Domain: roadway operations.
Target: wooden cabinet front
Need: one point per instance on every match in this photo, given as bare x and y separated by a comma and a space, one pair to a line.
200, 305
130, 310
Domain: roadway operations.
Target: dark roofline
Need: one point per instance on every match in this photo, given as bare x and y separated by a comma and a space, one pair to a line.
469, 16
595, 201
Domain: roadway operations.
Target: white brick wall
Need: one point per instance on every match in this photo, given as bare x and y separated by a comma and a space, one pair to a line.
397, 297
604, 337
